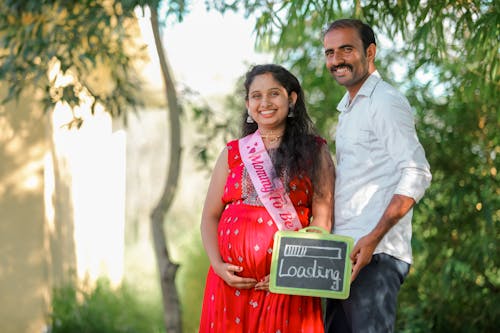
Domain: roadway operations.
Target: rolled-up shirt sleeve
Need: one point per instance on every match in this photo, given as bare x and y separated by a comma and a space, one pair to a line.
394, 125
413, 183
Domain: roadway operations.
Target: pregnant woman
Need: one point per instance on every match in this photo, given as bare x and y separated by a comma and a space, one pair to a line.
278, 176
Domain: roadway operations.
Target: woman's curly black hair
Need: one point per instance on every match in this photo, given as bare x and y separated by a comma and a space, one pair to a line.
299, 150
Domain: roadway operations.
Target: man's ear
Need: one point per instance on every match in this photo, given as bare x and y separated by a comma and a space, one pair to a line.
371, 51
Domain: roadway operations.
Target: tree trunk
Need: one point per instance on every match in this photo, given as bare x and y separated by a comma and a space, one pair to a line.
166, 268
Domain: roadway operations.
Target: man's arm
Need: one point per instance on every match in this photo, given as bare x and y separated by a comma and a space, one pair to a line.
394, 125
362, 253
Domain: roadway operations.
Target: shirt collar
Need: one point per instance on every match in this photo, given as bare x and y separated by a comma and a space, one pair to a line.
365, 90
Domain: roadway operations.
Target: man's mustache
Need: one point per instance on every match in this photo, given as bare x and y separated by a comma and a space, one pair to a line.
334, 68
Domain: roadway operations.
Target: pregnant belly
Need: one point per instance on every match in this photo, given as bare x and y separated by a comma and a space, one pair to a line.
246, 240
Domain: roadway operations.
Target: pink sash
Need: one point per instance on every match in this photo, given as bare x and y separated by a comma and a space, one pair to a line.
269, 188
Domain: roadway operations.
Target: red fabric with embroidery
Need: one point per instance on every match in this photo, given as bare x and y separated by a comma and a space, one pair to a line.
246, 238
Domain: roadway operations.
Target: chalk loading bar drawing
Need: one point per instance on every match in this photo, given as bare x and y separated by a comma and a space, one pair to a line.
305, 251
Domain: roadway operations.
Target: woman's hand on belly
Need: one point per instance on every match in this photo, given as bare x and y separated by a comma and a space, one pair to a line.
227, 272
263, 284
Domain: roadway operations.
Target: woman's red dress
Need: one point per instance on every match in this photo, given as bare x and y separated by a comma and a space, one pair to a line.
246, 233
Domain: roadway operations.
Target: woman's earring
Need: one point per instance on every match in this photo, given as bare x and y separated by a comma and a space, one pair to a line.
290, 111
249, 118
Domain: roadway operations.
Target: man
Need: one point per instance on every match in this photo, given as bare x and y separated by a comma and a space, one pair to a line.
381, 173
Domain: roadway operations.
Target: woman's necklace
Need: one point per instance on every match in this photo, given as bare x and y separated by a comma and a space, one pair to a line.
271, 136
271, 139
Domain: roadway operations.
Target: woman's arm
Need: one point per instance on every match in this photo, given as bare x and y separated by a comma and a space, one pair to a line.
211, 214
323, 198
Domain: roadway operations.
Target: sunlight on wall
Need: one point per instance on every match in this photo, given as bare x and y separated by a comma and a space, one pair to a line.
48, 191
95, 157
23, 180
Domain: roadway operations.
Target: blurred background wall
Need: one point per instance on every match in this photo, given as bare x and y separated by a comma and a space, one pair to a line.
62, 206
24, 247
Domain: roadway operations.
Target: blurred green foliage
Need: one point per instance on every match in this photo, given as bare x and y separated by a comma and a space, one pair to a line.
78, 37
191, 284
103, 309
92, 43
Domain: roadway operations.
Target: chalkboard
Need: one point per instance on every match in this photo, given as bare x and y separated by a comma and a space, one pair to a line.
311, 264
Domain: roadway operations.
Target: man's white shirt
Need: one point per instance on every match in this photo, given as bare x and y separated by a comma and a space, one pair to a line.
378, 155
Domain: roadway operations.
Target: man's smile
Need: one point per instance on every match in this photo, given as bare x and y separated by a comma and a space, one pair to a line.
341, 69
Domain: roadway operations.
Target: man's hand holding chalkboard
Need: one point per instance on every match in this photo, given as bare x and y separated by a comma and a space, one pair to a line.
227, 272
362, 253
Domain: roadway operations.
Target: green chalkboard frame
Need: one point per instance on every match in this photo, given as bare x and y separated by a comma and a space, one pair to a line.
321, 235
